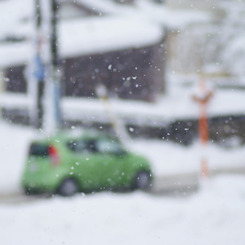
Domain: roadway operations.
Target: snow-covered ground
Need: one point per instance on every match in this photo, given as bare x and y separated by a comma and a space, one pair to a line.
171, 159
214, 215
13, 148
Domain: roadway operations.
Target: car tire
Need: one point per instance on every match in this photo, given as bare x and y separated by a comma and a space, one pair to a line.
68, 187
29, 191
142, 181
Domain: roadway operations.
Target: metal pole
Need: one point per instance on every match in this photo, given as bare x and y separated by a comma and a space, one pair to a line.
39, 69
38, 14
55, 69
54, 46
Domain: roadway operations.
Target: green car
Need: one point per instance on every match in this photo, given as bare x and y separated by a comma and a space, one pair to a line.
66, 164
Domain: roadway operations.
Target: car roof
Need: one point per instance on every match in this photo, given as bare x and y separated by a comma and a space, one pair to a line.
64, 136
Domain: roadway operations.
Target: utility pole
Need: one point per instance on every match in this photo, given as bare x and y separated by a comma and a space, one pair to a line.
55, 67
39, 71
52, 115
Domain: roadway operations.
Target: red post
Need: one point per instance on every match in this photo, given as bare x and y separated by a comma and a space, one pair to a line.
203, 122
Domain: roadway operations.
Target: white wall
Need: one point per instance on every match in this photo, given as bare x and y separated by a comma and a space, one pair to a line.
193, 4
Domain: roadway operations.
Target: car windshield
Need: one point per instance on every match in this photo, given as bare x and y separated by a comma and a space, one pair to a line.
96, 146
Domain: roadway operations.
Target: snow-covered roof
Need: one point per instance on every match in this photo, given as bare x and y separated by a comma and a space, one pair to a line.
102, 6
15, 54
122, 27
12, 11
89, 36
173, 19
16, 14
13, 16
107, 34
79, 36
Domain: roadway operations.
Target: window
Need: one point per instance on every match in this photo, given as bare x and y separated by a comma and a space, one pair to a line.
109, 146
83, 146
39, 150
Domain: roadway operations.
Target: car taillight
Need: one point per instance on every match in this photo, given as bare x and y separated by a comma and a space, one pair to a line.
53, 154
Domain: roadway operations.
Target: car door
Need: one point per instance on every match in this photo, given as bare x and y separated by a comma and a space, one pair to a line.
111, 162
97, 163
84, 163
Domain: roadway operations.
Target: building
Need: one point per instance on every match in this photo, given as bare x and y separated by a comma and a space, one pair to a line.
98, 43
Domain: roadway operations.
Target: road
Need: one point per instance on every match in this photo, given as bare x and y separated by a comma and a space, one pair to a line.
180, 185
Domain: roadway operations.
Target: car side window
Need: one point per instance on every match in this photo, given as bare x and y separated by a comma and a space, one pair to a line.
76, 145
83, 146
91, 146
109, 146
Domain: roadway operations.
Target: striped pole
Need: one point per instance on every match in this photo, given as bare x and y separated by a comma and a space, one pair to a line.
202, 100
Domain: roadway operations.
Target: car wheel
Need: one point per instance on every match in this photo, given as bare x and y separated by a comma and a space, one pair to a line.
142, 180
68, 187
29, 191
